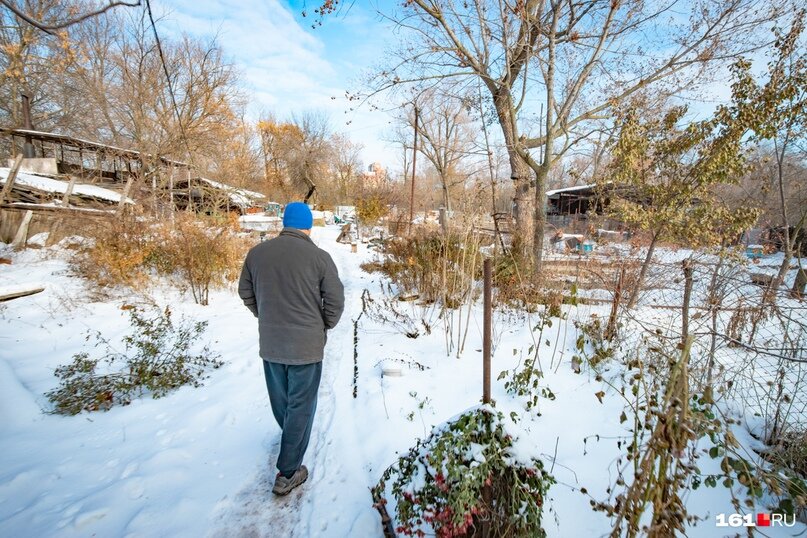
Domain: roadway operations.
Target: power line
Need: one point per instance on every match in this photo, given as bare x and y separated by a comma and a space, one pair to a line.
170, 86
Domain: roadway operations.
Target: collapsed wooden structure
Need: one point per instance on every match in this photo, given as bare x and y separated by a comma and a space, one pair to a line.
84, 162
68, 175
205, 195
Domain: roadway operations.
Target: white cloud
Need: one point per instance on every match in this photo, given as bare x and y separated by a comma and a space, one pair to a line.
277, 57
286, 67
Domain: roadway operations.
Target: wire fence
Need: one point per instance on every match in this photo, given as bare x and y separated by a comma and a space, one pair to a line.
749, 340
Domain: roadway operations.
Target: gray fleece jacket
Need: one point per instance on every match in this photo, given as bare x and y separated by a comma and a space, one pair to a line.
293, 288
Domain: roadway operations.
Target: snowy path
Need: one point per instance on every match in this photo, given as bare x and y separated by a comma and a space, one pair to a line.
319, 507
200, 462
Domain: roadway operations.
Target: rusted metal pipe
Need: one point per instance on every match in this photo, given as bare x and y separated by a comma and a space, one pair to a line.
487, 323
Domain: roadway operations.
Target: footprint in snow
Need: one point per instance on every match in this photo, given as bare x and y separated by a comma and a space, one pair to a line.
82, 520
129, 470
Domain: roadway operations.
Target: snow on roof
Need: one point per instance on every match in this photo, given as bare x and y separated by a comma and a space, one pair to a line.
578, 188
49, 184
258, 218
240, 197
570, 189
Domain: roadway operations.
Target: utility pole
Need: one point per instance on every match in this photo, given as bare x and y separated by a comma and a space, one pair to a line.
414, 160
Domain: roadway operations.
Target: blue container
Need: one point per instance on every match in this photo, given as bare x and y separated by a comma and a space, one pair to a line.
587, 247
753, 251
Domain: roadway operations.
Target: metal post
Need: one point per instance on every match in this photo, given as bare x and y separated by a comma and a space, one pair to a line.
488, 315
414, 161
688, 270
27, 148
486, 331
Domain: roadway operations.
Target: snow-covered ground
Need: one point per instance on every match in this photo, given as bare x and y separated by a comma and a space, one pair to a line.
201, 460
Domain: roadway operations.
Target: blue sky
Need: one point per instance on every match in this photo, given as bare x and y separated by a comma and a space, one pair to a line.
289, 67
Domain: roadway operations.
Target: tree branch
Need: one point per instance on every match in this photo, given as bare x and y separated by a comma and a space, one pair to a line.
50, 28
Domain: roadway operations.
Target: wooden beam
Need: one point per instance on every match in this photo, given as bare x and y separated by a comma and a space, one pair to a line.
20, 293
69, 191
12, 175
22, 231
125, 194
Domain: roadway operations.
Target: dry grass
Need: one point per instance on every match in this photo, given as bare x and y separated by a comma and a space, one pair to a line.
117, 252
130, 251
202, 256
434, 267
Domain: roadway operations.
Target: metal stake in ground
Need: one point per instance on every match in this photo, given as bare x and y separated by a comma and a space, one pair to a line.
486, 330
488, 314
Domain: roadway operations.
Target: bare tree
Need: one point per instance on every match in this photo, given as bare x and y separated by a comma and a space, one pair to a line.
235, 158
578, 57
310, 158
345, 166
277, 140
31, 63
297, 153
119, 76
446, 136
52, 27
781, 107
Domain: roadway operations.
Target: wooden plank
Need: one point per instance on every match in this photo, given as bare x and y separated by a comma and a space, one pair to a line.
125, 194
20, 293
91, 211
22, 232
12, 176
69, 191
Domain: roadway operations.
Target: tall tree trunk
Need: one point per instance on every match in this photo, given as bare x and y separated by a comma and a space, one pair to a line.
634, 296
523, 208
520, 173
797, 291
539, 225
446, 203
542, 172
776, 283
770, 294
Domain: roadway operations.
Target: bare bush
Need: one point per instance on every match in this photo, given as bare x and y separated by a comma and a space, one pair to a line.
202, 255
199, 254
435, 267
117, 252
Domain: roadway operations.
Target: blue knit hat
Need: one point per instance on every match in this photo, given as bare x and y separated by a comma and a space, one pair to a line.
298, 215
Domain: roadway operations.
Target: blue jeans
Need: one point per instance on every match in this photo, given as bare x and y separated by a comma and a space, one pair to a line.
293, 396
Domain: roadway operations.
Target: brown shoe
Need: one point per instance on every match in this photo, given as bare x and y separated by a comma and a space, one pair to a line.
283, 485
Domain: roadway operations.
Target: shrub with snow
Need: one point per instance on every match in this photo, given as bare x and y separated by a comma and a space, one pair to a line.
156, 359
439, 484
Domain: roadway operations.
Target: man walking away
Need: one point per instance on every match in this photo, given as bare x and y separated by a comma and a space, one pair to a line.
293, 288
